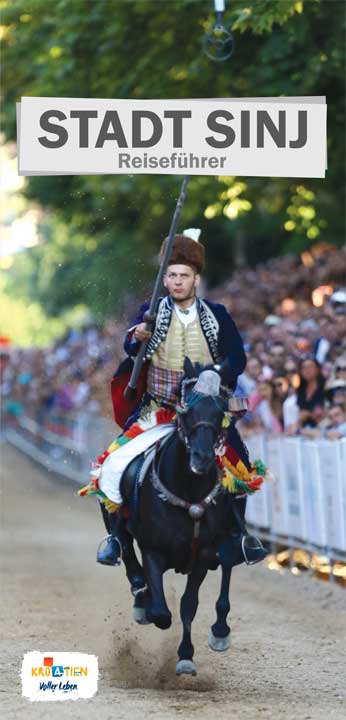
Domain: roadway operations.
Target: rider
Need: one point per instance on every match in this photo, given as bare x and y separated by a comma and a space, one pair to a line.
184, 325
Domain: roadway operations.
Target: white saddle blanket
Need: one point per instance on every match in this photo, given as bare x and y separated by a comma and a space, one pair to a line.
115, 464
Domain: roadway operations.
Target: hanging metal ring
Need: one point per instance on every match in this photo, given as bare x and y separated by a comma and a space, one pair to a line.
218, 45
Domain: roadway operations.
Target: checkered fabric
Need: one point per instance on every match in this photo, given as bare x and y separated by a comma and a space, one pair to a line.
161, 382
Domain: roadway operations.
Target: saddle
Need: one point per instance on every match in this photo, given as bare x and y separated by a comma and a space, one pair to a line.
134, 475
240, 546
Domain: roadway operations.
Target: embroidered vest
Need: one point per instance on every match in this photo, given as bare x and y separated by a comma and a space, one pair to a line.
182, 341
167, 362
208, 323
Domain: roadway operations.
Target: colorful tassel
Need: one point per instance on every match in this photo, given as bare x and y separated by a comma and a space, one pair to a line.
110, 506
236, 478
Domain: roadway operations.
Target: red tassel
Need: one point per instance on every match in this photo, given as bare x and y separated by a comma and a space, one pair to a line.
102, 457
164, 416
255, 483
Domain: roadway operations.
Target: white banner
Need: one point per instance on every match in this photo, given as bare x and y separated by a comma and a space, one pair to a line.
313, 495
295, 494
278, 488
261, 137
257, 506
333, 491
342, 482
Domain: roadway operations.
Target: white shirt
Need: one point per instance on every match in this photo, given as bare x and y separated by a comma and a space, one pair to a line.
290, 411
186, 316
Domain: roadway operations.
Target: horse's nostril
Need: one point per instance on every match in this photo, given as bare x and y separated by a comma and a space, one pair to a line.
196, 470
201, 462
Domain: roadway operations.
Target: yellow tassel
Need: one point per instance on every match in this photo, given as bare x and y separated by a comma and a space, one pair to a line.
228, 482
110, 506
113, 446
84, 490
239, 471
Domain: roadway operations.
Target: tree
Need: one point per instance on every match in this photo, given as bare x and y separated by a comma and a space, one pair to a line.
103, 229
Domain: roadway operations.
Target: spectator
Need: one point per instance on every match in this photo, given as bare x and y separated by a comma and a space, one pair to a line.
277, 357
247, 380
337, 422
280, 393
333, 427
310, 394
265, 407
292, 306
336, 391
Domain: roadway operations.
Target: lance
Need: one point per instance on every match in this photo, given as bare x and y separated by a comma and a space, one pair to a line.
149, 316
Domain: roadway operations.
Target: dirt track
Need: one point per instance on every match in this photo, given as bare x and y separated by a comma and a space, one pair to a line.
287, 654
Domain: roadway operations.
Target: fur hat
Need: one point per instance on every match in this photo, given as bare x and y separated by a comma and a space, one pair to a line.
185, 251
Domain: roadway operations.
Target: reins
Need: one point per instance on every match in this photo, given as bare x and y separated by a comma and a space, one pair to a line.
195, 510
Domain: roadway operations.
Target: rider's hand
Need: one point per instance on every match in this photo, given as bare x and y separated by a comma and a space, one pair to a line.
141, 333
238, 414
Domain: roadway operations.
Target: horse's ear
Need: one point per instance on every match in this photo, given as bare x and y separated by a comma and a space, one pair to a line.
188, 368
198, 369
176, 390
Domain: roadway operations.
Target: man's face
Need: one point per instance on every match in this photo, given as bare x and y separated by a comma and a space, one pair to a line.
253, 368
336, 416
181, 282
277, 356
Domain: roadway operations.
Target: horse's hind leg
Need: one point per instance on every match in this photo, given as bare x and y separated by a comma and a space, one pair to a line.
219, 635
134, 570
188, 609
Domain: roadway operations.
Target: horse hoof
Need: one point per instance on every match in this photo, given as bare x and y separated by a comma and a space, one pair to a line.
186, 667
163, 622
219, 644
139, 615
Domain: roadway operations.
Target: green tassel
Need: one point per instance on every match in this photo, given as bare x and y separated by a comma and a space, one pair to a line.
261, 468
241, 485
237, 486
122, 440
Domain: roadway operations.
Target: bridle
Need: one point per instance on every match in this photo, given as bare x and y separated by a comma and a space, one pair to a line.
183, 408
194, 510
185, 437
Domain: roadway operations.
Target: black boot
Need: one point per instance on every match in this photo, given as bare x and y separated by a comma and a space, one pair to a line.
110, 553
241, 546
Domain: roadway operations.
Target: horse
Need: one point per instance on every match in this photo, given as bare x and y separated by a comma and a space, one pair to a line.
181, 516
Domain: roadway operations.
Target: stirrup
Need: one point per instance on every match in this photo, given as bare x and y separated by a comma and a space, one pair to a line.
112, 537
253, 549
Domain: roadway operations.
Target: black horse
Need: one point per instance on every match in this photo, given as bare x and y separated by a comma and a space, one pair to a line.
182, 517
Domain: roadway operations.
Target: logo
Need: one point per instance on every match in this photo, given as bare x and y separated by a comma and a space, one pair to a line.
59, 676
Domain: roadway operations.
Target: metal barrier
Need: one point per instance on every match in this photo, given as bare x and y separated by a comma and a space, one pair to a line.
304, 507
66, 445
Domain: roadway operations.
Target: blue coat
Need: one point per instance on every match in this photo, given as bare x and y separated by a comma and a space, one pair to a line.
224, 343
229, 342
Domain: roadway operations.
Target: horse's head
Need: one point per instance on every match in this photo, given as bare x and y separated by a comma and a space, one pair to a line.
202, 403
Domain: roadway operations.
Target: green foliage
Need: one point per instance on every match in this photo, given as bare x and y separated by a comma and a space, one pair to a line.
27, 324
104, 232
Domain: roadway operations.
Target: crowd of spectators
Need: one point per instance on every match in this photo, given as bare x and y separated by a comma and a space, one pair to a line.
291, 313
71, 377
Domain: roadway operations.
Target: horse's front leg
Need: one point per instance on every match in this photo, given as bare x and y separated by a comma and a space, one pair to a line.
154, 565
135, 575
188, 609
220, 634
